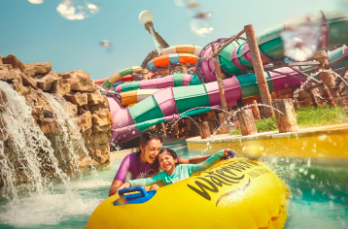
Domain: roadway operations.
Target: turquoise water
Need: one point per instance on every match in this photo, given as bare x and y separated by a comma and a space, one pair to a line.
319, 198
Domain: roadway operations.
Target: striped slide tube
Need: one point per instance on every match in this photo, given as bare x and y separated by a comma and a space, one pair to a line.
180, 58
176, 80
235, 58
118, 75
191, 49
174, 102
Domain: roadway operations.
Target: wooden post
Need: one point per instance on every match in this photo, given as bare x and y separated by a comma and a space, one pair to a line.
328, 78
256, 110
296, 103
223, 125
247, 122
287, 121
164, 130
145, 74
219, 78
259, 71
328, 96
311, 94
184, 68
205, 131
166, 72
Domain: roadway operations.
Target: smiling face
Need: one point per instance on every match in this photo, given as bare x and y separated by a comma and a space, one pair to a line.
167, 162
150, 151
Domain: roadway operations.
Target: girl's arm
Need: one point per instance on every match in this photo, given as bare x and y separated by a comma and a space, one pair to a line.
148, 181
210, 161
194, 160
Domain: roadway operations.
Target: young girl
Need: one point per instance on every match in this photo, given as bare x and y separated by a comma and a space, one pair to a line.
144, 163
167, 159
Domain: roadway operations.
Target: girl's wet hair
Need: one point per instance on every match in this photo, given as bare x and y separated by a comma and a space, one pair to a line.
170, 151
148, 135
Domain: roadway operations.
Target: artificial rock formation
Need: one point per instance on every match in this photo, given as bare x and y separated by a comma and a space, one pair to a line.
88, 108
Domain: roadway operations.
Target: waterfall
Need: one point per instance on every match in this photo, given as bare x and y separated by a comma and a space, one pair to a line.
68, 127
26, 154
25, 142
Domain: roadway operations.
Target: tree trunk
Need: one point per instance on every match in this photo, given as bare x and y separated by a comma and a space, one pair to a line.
287, 121
247, 122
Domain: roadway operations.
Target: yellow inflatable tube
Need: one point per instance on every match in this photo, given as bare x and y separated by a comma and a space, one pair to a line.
234, 193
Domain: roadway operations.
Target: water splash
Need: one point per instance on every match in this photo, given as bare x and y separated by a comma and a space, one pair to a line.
78, 9
312, 76
302, 42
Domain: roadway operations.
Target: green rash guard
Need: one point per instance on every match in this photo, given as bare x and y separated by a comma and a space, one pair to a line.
181, 172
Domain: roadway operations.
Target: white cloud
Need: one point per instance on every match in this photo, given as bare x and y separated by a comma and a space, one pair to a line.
36, 1
77, 9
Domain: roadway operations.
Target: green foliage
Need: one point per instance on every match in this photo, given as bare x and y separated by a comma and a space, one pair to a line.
309, 116
306, 117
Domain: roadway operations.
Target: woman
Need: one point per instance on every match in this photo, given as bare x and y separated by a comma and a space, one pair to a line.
143, 164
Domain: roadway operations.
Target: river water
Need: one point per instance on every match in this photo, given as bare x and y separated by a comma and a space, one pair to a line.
319, 197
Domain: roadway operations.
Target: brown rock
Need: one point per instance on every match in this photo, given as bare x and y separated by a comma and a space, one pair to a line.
61, 87
49, 126
45, 83
106, 104
94, 108
97, 128
79, 81
37, 113
78, 99
84, 121
38, 68
1, 63
12, 59
27, 81
100, 153
6, 67
101, 118
73, 108
95, 99
100, 138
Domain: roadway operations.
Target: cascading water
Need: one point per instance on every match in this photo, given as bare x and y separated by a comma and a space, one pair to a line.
68, 130
26, 154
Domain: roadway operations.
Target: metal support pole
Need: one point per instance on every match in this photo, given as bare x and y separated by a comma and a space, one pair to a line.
259, 71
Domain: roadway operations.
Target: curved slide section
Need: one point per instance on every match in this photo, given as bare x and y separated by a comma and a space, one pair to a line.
172, 103
176, 80
118, 75
164, 61
235, 58
191, 49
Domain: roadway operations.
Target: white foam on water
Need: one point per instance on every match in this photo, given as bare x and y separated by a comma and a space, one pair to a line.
46, 209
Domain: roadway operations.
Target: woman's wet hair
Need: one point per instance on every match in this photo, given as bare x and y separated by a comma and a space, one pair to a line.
170, 151
148, 135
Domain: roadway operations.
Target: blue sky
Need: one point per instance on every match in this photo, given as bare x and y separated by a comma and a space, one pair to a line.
38, 33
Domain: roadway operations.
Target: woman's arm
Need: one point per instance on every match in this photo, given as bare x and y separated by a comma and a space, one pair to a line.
210, 161
148, 181
121, 176
194, 160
